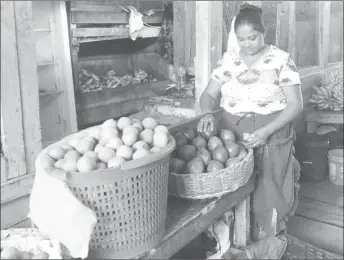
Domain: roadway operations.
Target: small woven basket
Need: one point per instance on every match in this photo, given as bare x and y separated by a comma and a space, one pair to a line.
297, 249
212, 184
130, 203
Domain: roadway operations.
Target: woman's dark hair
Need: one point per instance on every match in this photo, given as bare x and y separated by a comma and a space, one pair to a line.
251, 15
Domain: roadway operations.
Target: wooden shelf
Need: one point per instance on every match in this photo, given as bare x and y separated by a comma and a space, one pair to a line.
324, 116
186, 219
114, 33
93, 17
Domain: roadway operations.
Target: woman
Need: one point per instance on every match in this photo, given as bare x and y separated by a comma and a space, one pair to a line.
261, 93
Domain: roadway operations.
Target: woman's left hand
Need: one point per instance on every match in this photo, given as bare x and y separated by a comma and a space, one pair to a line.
257, 138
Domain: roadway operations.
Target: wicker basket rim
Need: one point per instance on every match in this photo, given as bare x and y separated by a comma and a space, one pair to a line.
124, 167
205, 174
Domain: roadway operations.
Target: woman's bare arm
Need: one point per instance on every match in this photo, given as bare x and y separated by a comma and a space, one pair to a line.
294, 107
210, 97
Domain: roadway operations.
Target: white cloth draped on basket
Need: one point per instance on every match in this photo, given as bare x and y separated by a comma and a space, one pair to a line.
59, 214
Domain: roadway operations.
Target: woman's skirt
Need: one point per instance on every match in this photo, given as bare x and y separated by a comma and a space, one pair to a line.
275, 196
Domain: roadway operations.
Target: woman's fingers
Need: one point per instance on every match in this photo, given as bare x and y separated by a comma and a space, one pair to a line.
212, 125
205, 126
200, 126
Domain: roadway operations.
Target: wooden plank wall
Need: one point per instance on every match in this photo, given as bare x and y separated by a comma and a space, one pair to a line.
19, 89
92, 12
20, 121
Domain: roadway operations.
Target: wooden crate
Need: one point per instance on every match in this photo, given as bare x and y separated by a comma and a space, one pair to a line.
97, 106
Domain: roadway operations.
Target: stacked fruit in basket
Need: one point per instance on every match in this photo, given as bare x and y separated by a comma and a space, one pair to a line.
202, 153
109, 145
329, 95
90, 82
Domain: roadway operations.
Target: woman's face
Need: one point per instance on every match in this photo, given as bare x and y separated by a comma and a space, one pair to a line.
249, 40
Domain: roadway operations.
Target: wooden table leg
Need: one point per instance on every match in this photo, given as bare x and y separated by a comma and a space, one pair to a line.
242, 224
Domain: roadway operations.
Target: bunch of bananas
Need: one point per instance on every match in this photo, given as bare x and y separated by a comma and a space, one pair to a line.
329, 96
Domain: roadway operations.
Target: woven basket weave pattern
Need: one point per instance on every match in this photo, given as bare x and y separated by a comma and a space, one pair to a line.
213, 184
130, 202
131, 211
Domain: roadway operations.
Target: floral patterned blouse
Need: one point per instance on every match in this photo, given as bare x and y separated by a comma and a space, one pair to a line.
257, 88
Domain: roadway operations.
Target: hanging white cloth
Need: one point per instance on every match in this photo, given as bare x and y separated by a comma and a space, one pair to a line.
232, 44
135, 23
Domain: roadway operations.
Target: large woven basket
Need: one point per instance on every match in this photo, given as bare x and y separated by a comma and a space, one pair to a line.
130, 203
212, 184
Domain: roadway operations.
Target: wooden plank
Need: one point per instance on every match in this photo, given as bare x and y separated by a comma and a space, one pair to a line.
320, 211
97, 115
16, 188
278, 23
192, 21
11, 108
65, 68
14, 212
284, 26
87, 7
292, 30
186, 219
324, 117
117, 95
4, 169
216, 33
321, 235
187, 33
81, 17
202, 59
324, 39
74, 45
322, 191
178, 33
208, 49
242, 223
104, 2
28, 82
121, 33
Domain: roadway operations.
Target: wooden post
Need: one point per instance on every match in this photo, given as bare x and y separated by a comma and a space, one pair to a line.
242, 224
75, 58
208, 43
184, 33
324, 35
68, 103
278, 23
282, 39
291, 35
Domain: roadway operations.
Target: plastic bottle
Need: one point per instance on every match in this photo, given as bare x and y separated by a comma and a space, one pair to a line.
181, 82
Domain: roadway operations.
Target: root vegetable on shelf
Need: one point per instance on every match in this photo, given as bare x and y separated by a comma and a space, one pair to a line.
91, 82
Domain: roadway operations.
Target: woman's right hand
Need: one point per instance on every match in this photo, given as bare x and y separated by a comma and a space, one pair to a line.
206, 123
